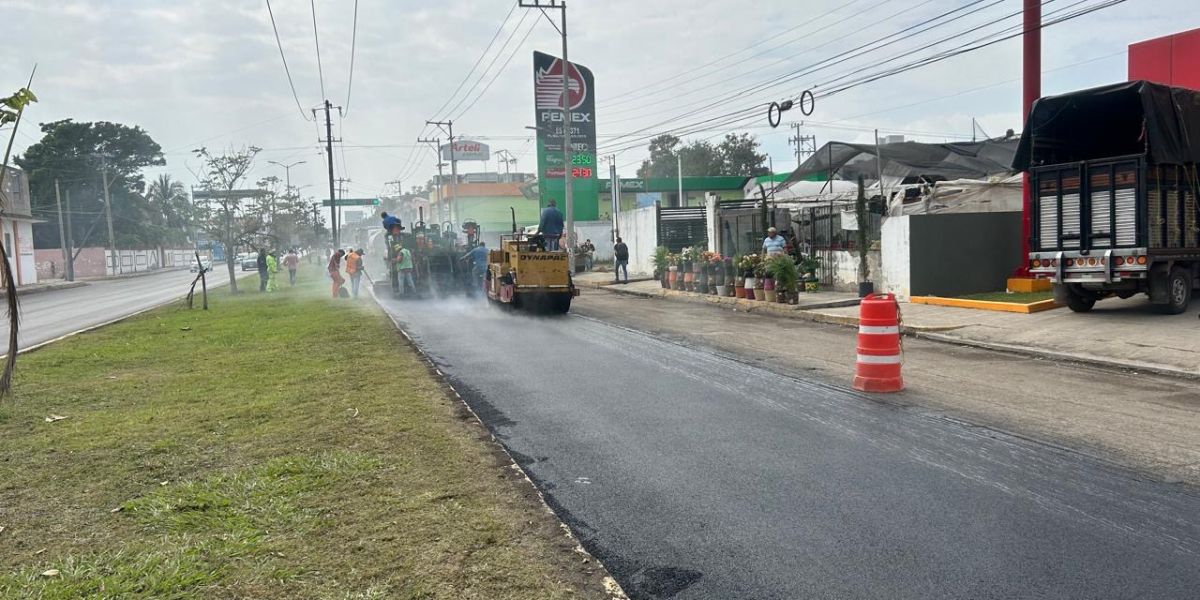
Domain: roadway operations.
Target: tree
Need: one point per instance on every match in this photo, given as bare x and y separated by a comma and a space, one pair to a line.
170, 208
11, 110
739, 156
228, 218
74, 153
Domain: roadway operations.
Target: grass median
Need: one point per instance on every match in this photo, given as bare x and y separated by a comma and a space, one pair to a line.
282, 445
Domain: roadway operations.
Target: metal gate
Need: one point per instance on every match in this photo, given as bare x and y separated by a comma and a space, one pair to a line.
682, 227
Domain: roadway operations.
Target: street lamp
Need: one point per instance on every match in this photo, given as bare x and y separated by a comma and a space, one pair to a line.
287, 169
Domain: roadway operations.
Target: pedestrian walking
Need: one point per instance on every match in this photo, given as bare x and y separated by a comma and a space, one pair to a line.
272, 271
334, 269
291, 262
262, 269
551, 225
621, 261
354, 268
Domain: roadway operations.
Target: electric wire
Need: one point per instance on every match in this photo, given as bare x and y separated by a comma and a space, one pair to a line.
353, 45
503, 67
317, 42
286, 70
488, 68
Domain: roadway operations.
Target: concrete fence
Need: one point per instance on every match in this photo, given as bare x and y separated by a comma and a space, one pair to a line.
639, 230
98, 262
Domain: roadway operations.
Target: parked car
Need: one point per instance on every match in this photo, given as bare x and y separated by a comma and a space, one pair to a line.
250, 264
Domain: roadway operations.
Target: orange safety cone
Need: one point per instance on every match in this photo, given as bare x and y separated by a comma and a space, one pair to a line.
878, 365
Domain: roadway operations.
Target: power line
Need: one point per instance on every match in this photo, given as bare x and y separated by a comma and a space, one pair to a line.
438, 113
483, 74
317, 42
511, 55
295, 96
353, 44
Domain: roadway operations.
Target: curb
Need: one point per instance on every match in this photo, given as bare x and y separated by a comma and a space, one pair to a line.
47, 288
1105, 363
738, 303
596, 285
611, 586
1013, 307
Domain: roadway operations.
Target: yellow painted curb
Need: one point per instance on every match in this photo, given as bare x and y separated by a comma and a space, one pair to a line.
1024, 285
986, 305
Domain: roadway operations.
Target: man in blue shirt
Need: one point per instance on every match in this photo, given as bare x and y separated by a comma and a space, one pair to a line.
551, 225
478, 257
774, 243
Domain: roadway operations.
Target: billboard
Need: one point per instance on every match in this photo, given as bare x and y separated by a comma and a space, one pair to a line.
467, 150
548, 73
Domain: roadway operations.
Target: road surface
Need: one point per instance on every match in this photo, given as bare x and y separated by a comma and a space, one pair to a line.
693, 475
48, 315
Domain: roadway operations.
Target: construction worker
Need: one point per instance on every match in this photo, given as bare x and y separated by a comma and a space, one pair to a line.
272, 271
353, 271
551, 225
291, 262
404, 270
333, 268
478, 258
390, 221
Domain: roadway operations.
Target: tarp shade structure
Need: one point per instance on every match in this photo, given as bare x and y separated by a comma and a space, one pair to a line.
905, 160
1123, 119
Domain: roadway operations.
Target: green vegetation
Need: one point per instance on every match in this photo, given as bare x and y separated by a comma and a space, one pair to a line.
276, 446
1018, 298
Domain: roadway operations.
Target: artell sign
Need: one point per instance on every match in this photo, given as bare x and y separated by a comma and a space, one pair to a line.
467, 150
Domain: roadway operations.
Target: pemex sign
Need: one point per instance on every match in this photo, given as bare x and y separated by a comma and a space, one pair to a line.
548, 105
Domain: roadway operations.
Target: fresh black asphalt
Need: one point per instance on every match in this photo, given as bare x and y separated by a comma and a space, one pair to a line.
692, 475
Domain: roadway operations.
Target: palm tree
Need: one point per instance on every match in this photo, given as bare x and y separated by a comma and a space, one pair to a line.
169, 207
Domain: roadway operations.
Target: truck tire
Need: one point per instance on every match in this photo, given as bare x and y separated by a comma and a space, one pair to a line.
1179, 292
1079, 303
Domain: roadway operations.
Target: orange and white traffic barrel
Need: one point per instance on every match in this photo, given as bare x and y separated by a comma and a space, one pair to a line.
878, 366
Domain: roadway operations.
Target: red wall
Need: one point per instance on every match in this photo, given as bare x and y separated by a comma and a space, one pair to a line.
1173, 60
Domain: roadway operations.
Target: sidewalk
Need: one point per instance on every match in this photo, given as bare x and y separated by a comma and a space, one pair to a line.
1123, 334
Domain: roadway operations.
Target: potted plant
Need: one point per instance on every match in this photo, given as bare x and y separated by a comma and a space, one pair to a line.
700, 265
716, 274
808, 267
685, 268
673, 271
748, 265
661, 265
760, 278
730, 274
783, 269
739, 277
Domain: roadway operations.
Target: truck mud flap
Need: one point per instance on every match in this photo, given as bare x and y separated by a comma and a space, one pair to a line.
1159, 283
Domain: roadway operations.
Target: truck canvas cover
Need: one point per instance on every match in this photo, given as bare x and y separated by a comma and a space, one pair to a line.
1124, 119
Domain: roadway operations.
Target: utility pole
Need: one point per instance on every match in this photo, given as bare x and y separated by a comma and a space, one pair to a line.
452, 207
437, 151
70, 242
341, 190
333, 216
568, 175
679, 178
615, 195
506, 157
805, 144
1031, 90
112, 240
62, 233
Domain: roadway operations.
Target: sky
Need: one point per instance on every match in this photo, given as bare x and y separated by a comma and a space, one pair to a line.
209, 73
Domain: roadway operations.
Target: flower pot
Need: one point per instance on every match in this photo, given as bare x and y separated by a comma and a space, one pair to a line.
665, 281
760, 294
672, 275
812, 286
751, 283
770, 295
739, 291
769, 284
689, 280
866, 288
720, 290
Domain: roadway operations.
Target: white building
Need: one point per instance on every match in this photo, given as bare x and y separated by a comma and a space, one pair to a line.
16, 223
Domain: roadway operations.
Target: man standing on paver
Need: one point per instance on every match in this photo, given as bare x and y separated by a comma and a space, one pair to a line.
291, 262
478, 258
551, 225
774, 243
620, 261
